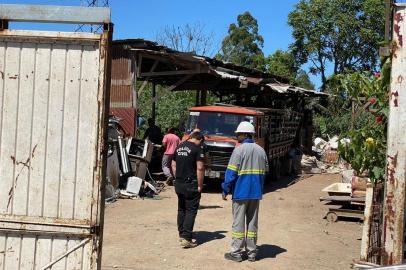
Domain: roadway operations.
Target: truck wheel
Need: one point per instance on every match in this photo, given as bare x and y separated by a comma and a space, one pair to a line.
331, 217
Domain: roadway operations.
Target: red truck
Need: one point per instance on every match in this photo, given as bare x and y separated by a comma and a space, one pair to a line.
277, 130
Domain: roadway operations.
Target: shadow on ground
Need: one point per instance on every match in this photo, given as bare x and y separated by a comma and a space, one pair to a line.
282, 182
203, 237
269, 251
202, 207
214, 185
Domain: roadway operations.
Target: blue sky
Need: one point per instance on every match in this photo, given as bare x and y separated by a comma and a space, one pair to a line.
144, 18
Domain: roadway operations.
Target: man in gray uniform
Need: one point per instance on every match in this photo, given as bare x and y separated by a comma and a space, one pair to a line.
244, 178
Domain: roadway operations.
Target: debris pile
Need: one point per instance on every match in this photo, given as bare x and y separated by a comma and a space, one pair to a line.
326, 158
127, 173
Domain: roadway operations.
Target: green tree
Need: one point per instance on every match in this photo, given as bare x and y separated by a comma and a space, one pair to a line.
243, 44
302, 80
341, 33
282, 63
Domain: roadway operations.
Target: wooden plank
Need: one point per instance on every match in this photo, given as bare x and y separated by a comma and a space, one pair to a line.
342, 199
39, 129
24, 151
71, 120
366, 229
169, 73
9, 124
54, 132
87, 132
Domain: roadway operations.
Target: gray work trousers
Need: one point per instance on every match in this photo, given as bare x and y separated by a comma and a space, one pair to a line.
166, 165
245, 227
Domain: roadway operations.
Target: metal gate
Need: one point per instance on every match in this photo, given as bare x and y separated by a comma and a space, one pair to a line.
53, 93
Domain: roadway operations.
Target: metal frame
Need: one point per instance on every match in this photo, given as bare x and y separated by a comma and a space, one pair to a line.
74, 15
54, 14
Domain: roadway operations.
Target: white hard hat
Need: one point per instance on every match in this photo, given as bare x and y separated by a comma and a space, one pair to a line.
245, 127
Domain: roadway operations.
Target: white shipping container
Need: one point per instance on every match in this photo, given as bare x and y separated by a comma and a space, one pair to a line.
53, 90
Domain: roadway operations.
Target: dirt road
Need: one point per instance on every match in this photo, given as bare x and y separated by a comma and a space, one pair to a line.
141, 234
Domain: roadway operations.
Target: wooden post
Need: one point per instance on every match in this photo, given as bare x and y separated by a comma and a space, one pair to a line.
394, 200
388, 7
134, 92
197, 103
203, 97
366, 230
153, 113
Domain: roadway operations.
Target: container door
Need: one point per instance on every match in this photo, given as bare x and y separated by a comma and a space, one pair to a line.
52, 106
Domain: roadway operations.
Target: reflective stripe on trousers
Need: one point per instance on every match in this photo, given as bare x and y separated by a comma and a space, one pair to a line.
245, 215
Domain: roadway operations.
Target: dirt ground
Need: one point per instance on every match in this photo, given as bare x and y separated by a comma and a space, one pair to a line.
142, 234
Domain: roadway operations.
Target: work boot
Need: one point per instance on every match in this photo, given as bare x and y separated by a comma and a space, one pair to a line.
187, 244
231, 257
169, 181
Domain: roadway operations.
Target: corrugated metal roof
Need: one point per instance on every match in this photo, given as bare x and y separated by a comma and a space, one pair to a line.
207, 73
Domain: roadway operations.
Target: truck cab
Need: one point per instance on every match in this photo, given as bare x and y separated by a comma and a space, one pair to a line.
218, 125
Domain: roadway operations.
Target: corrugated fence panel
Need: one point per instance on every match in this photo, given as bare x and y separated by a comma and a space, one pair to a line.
49, 128
39, 129
11, 64
86, 134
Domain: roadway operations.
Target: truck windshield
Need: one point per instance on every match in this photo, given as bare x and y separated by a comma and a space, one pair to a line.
216, 123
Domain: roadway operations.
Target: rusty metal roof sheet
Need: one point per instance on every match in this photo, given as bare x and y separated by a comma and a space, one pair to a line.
167, 67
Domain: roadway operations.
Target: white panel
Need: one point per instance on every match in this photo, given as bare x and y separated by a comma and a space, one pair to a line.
74, 260
87, 251
4, 184
59, 247
39, 129
24, 150
2, 249
9, 121
89, 109
70, 126
43, 252
54, 134
12, 252
27, 252
49, 134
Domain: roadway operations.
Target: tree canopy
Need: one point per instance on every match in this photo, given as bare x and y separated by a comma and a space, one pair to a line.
193, 38
282, 63
343, 33
243, 44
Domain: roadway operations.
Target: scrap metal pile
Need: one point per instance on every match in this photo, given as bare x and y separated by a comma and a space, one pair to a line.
127, 166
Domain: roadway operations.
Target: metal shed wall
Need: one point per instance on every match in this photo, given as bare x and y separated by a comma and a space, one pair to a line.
122, 78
